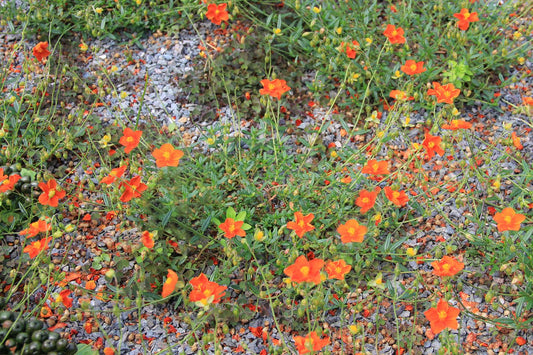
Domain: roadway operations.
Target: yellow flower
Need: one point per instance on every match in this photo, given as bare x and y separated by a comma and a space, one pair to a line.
277, 31
114, 68
339, 30
123, 94
259, 236
397, 74
517, 35
411, 252
368, 40
138, 2
316, 10
83, 47
98, 10
521, 60
210, 141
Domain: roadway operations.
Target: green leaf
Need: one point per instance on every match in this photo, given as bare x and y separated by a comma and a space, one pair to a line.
26, 172
241, 216
246, 226
84, 349
230, 213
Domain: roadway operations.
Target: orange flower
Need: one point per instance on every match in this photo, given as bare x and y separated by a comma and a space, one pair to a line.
465, 17
375, 167
447, 266
337, 269
205, 292
367, 199
274, 88
527, 101
516, 141
46, 311
63, 298
350, 49
90, 285
167, 156
399, 198
305, 271
51, 195
40, 51
301, 224
217, 13
508, 220
395, 35
432, 145
133, 189
130, 139
445, 93
7, 182
231, 228
411, 67
310, 343
442, 317
457, 124
36, 228
113, 175
109, 351
352, 231
170, 283
148, 239
36, 247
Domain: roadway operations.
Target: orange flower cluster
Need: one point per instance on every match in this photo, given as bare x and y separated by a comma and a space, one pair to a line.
411, 67
167, 156
432, 145
457, 124
447, 266
231, 228
51, 195
444, 93
8, 182
40, 51
337, 269
147, 239
374, 167
399, 198
41, 226
367, 199
441, 317
508, 220
301, 224
205, 292
350, 49
304, 270
465, 17
310, 343
132, 189
352, 231
394, 35
217, 13
113, 175
170, 283
130, 139
274, 88
35, 248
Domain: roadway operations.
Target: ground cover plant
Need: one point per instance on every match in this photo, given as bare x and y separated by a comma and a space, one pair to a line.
353, 178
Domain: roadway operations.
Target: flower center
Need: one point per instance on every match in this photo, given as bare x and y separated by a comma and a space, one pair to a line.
129, 139
52, 193
166, 155
442, 315
413, 67
365, 200
351, 231
431, 144
394, 33
507, 219
446, 267
395, 194
305, 270
271, 86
